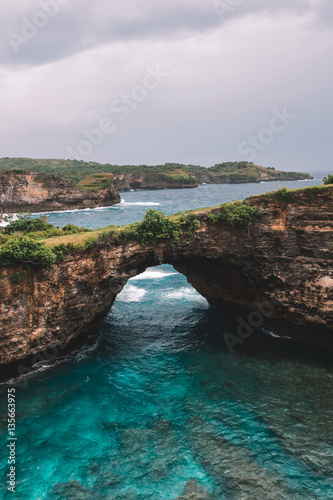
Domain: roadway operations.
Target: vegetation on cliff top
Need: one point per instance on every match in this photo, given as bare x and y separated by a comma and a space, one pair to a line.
19, 241
34, 242
24, 250
86, 174
286, 196
96, 181
155, 228
328, 179
37, 227
239, 214
171, 173
243, 171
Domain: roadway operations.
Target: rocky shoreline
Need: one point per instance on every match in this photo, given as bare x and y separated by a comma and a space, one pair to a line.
35, 192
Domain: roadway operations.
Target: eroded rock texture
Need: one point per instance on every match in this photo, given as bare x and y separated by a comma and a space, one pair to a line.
34, 192
284, 259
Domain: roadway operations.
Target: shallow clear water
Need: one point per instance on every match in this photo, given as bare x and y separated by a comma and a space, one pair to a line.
155, 399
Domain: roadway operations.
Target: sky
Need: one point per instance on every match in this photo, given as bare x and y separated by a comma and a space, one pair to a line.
188, 81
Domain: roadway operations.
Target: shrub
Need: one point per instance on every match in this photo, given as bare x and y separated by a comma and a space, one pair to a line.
328, 179
38, 227
156, 227
26, 224
3, 238
25, 250
70, 229
312, 192
87, 244
283, 195
237, 214
214, 217
90, 243
192, 223
63, 249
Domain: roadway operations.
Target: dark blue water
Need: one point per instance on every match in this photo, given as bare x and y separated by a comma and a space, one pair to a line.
135, 204
155, 399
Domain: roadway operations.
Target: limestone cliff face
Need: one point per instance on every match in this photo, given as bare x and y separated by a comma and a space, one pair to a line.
285, 258
126, 182
260, 175
30, 191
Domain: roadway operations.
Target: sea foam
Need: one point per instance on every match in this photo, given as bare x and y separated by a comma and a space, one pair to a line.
131, 294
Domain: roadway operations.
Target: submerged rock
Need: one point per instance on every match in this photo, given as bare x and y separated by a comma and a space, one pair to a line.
193, 491
73, 490
234, 467
153, 450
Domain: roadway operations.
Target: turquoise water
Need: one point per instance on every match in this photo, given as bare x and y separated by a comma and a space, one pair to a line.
155, 399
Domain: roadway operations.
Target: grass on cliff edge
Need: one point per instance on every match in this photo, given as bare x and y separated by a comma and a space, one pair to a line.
74, 170
22, 241
42, 248
96, 182
21, 245
283, 196
286, 196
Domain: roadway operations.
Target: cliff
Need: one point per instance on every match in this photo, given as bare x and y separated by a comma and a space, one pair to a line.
35, 192
189, 177
281, 263
242, 172
169, 175
126, 182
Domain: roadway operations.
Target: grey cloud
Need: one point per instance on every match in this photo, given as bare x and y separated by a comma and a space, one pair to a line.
226, 76
83, 24
324, 13
76, 30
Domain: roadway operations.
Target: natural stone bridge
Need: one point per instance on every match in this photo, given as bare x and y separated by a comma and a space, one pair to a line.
285, 257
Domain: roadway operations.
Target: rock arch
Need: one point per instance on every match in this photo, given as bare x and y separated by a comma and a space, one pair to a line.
284, 258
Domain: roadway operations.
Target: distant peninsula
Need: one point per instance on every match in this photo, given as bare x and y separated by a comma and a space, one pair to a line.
92, 176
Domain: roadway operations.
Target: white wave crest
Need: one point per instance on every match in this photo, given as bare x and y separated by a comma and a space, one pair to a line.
184, 293
141, 203
132, 294
152, 274
73, 210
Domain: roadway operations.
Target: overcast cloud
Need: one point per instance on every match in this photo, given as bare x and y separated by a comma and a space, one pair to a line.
195, 81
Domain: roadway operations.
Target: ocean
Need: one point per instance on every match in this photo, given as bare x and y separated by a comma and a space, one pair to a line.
155, 401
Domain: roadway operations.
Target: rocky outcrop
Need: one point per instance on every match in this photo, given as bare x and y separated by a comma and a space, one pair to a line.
256, 174
193, 491
128, 182
193, 178
281, 266
33, 192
